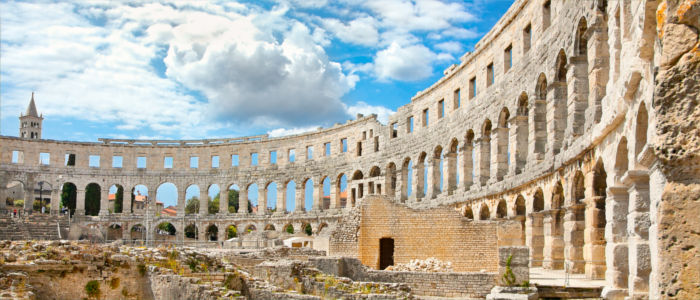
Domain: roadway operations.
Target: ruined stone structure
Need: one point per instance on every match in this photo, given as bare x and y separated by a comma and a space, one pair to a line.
576, 118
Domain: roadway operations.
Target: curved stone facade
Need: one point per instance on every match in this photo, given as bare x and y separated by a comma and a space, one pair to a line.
548, 121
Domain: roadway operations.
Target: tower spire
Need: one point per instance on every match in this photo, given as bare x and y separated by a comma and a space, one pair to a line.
31, 109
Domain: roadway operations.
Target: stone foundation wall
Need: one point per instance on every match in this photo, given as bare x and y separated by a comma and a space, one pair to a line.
471, 246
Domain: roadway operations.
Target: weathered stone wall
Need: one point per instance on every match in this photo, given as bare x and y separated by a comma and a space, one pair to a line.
441, 232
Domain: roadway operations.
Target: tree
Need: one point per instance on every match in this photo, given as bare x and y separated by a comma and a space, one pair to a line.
233, 202
92, 199
308, 229
231, 232
68, 197
191, 232
214, 205
192, 206
119, 200
289, 229
167, 227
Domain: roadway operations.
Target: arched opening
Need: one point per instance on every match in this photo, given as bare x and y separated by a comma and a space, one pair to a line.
271, 194
250, 229
231, 232
342, 186
139, 197
289, 196
501, 209
485, 153
309, 194
252, 196
538, 201
357, 190
468, 213
138, 232
576, 223
92, 199
451, 161
390, 182
540, 115
307, 229
191, 232
374, 171
270, 227
581, 43
114, 232
560, 99
68, 197
326, 189
484, 213
521, 131
167, 195
621, 160
214, 199
640, 137
374, 187
536, 238
321, 229
165, 232
234, 193
520, 211
421, 178
579, 188
554, 230
192, 202
116, 199
42, 197
289, 228
436, 183
212, 233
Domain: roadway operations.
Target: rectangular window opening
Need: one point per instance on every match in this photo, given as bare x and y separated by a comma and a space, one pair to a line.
409, 124
94, 161
426, 118
70, 160
17, 157
344, 145
472, 88
394, 130
291, 155
508, 58
194, 162
441, 109
457, 99
309, 152
546, 13
141, 162
168, 162
376, 144
327, 149
359, 148
117, 161
44, 158
490, 77
234, 160
527, 37
273, 157
215, 162
254, 159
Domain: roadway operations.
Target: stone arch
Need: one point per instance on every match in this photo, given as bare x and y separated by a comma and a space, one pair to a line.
557, 200
289, 228
450, 163
484, 213
309, 200
538, 201
192, 202
191, 231
467, 212
374, 171
641, 127
290, 195
93, 197
270, 227
325, 192
594, 233
321, 228
307, 229
138, 232
560, 66
468, 161
342, 188
502, 136
250, 229
406, 179
520, 150
252, 197
212, 205
540, 116
501, 210
485, 153
139, 197
621, 160
519, 208
161, 193
115, 232
271, 195
560, 97
116, 198
234, 197
357, 175
231, 231
554, 230
69, 193
435, 186
165, 232
578, 187
420, 175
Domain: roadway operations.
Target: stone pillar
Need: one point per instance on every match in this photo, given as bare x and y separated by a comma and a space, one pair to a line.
79, 202
221, 234
518, 143
594, 236
638, 223
574, 224
299, 199
598, 68
181, 203
223, 199
553, 240
335, 195
537, 131
55, 201
616, 250
180, 234
104, 201
499, 154
203, 202
243, 200
534, 238
317, 196
262, 200
556, 116
29, 198
465, 172
433, 187
417, 190
450, 172
577, 97
483, 160
281, 206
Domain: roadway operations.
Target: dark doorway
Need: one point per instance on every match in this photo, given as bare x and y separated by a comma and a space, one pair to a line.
386, 253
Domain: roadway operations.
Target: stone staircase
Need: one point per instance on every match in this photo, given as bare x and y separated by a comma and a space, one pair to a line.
33, 227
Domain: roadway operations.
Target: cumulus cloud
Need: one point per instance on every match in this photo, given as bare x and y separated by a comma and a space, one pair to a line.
362, 107
291, 131
420, 14
361, 31
408, 63
451, 47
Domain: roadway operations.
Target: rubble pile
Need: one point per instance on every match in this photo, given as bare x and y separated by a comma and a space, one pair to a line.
431, 264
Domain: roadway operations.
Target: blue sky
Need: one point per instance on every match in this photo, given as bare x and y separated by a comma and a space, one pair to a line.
206, 69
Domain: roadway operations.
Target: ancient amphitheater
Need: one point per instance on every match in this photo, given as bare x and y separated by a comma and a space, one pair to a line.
571, 129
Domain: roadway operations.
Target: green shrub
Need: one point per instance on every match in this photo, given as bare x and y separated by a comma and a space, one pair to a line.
92, 288
508, 278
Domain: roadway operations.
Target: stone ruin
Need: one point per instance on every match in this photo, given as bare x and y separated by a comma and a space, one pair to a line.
571, 130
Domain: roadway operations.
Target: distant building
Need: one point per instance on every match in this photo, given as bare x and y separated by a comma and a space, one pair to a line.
30, 122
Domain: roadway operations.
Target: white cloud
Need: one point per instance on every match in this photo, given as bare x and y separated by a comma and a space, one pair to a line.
362, 107
419, 14
361, 31
291, 131
404, 63
451, 47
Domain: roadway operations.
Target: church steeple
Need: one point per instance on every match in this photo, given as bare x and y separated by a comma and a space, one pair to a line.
30, 122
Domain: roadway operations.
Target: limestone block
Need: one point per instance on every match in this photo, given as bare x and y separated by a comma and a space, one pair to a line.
677, 40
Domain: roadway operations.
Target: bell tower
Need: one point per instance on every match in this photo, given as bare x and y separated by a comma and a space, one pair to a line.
30, 122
